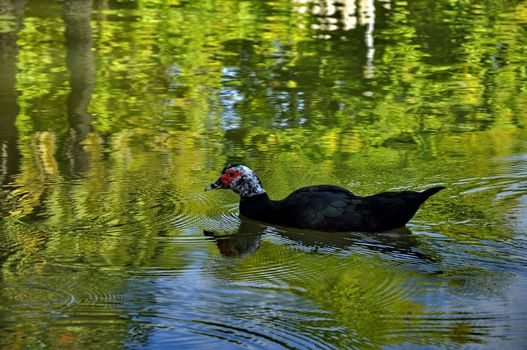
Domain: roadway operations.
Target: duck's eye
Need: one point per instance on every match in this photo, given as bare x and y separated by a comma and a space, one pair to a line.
231, 174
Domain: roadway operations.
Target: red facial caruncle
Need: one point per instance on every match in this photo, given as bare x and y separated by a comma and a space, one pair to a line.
229, 176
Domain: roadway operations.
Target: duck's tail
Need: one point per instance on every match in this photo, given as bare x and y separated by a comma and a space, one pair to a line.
431, 191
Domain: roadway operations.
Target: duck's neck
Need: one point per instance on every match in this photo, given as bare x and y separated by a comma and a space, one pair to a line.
257, 207
248, 186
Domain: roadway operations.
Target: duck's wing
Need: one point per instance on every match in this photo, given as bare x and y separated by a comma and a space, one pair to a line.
324, 207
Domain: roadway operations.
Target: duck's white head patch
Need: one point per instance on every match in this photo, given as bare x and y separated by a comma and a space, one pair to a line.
240, 179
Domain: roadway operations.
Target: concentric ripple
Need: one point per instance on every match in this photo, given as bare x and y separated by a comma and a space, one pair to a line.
199, 210
35, 298
227, 317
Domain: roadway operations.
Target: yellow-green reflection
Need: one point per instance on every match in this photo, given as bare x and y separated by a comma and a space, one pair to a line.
116, 114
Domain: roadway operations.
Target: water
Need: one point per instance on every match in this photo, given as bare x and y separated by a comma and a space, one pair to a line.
116, 114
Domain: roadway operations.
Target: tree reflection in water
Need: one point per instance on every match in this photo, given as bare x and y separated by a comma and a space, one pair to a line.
115, 114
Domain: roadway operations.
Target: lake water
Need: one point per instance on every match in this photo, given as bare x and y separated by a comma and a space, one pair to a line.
115, 114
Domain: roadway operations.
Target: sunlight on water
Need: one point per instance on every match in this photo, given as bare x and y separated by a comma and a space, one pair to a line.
116, 114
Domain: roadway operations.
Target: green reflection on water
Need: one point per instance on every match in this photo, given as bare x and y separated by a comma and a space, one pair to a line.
116, 114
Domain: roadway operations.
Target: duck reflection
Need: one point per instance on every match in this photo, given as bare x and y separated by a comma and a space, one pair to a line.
246, 241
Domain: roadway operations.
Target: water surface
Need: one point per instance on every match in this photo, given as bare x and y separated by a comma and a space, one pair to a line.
116, 114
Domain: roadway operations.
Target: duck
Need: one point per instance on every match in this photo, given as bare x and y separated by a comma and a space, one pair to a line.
321, 207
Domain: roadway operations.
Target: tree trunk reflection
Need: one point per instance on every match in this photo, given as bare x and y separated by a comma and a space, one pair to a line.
81, 66
9, 152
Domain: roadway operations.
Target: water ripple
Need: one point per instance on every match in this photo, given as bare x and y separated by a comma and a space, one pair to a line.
30, 299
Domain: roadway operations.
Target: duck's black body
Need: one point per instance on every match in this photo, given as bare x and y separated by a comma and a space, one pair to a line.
324, 207
333, 208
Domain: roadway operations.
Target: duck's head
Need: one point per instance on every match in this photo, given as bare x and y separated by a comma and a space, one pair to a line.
240, 179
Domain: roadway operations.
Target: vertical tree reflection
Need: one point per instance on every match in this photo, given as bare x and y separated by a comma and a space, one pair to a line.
81, 66
12, 10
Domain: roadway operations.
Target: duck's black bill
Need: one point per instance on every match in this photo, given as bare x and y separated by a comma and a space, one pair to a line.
214, 186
